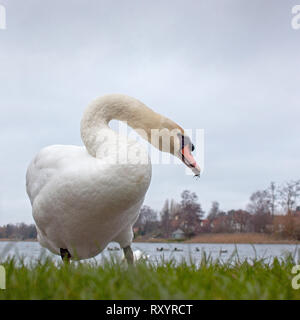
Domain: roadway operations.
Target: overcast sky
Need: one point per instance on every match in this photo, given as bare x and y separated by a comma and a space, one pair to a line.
230, 67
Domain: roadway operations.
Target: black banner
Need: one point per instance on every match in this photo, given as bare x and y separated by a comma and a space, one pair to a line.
150, 309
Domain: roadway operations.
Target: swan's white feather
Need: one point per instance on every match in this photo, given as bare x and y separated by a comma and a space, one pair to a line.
81, 202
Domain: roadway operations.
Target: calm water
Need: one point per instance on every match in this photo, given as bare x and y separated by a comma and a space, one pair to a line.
31, 251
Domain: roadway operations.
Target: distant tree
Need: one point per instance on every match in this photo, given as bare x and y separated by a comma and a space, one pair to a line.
259, 203
273, 197
261, 223
166, 220
288, 226
289, 196
20, 231
214, 211
174, 208
222, 224
147, 221
9, 231
241, 220
146, 214
2, 232
190, 212
260, 208
32, 234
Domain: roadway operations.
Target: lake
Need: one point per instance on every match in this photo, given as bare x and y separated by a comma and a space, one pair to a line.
32, 251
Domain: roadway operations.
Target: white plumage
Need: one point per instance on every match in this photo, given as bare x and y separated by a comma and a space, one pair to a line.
81, 198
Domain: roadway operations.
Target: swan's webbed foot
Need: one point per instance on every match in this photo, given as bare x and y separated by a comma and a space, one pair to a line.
128, 255
65, 255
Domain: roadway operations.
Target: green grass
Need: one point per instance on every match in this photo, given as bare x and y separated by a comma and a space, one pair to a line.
113, 280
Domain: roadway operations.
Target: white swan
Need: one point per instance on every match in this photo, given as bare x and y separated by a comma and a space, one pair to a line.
82, 198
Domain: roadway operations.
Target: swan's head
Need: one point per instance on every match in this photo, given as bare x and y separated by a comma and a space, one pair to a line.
185, 154
172, 138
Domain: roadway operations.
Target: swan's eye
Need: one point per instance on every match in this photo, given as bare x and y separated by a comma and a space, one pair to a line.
186, 141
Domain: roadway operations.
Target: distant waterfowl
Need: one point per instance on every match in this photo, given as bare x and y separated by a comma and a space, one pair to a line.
82, 198
176, 249
162, 249
223, 251
113, 249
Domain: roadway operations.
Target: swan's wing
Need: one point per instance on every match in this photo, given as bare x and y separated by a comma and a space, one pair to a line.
47, 164
82, 202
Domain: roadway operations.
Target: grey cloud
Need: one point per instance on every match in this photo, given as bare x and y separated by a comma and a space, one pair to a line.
229, 67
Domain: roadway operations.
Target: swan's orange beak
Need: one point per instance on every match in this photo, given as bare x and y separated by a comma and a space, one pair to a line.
189, 160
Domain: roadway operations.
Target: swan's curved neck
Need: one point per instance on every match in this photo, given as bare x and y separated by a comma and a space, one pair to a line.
120, 107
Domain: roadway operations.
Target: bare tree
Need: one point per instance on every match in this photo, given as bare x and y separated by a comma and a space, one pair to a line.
261, 222
174, 209
241, 220
20, 231
260, 207
166, 219
259, 203
147, 220
273, 197
190, 212
289, 195
214, 211
223, 223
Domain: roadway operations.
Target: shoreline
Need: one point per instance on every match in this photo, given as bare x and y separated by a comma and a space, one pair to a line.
220, 238
18, 240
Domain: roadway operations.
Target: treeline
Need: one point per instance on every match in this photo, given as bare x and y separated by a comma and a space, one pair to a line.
20, 231
186, 215
272, 210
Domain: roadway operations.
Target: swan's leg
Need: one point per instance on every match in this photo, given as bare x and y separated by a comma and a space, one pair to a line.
65, 255
128, 254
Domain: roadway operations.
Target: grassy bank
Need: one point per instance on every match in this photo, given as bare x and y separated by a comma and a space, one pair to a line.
210, 280
254, 238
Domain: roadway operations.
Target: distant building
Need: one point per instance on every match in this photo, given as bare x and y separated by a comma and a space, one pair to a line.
178, 234
204, 223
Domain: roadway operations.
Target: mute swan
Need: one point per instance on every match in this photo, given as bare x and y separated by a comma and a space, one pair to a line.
81, 197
